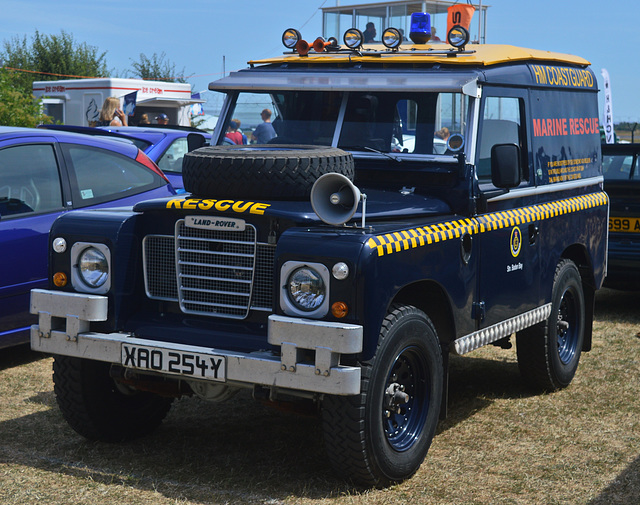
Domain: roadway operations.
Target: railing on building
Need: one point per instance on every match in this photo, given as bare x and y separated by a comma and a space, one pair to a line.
336, 20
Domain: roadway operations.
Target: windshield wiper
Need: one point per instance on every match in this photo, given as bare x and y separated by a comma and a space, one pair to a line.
386, 155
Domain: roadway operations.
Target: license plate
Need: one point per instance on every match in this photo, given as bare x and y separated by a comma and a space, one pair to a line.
624, 224
191, 364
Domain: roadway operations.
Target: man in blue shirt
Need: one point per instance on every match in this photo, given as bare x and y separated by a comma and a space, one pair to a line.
264, 132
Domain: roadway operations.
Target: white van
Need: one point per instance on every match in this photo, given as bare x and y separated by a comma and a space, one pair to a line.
78, 101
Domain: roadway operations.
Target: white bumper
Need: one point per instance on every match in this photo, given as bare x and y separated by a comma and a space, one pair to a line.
64, 321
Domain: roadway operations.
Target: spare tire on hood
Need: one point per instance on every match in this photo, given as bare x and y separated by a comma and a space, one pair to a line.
257, 171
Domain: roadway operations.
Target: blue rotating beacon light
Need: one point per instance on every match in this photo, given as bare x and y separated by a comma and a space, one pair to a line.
420, 32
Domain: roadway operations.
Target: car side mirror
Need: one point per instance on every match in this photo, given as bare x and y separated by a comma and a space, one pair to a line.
195, 141
506, 170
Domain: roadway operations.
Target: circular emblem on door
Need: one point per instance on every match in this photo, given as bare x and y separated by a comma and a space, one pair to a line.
516, 241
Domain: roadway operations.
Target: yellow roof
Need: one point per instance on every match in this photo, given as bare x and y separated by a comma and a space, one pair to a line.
476, 54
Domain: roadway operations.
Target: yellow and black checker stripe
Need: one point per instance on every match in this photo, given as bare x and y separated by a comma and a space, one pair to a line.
404, 240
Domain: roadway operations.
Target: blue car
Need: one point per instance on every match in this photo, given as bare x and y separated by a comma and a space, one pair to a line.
43, 174
165, 146
622, 184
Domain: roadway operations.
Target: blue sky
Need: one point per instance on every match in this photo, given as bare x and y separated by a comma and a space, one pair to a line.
199, 35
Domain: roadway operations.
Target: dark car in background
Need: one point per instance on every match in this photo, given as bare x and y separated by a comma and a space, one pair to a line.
165, 146
43, 174
622, 183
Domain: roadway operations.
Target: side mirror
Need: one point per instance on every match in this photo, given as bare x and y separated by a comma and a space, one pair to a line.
506, 170
195, 141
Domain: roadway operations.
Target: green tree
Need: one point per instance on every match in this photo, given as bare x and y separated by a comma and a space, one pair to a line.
51, 57
16, 107
157, 68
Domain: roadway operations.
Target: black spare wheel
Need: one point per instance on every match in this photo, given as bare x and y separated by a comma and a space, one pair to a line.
261, 171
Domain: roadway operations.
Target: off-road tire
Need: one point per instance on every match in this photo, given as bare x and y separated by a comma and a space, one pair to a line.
549, 352
269, 172
362, 443
97, 408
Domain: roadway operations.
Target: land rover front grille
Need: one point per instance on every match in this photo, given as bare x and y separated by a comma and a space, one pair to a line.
210, 272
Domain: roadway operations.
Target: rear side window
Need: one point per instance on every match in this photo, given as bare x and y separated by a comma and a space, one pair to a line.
29, 180
619, 167
171, 160
98, 175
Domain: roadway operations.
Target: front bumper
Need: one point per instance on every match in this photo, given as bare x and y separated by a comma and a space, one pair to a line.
64, 321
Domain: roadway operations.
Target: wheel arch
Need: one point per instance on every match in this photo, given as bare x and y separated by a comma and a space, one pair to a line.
580, 256
433, 300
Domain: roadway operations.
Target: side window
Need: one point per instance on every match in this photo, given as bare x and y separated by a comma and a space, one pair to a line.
171, 160
618, 167
29, 180
99, 175
501, 124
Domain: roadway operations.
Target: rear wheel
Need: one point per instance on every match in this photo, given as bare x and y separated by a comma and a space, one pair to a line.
548, 353
98, 408
383, 434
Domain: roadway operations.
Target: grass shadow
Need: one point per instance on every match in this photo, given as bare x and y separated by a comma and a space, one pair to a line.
239, 451
624, 490
18, 355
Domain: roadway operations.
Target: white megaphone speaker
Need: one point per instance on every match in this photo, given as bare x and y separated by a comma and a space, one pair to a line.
335, 199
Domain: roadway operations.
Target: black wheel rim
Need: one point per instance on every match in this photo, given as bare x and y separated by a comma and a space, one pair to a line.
403, 422
567, 327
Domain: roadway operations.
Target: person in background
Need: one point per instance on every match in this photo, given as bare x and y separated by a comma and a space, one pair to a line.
369, 33
443, 133
434, 37
232, 132
162, 119
244, 137
111, 114
144, 119
264, 132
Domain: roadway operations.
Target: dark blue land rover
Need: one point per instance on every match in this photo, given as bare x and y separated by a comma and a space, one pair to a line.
415, 201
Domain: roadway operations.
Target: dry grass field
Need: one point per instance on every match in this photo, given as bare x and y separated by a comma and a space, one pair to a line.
499, 445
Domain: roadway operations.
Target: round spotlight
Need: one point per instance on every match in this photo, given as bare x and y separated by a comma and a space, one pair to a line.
458, 36
290, 38
392, 38
353, 38
59, 245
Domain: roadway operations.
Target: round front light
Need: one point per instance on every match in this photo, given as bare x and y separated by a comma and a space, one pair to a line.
59, 245
392, 38
306, 289
290, 38
458, 36
93, 267
353, 38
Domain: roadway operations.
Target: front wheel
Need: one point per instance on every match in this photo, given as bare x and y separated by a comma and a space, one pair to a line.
98, 408
383, 434
548, 353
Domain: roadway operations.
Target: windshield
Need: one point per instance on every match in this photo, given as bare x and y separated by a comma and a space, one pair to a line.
409, 123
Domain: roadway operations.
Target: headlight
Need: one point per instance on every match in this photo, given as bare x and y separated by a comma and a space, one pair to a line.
458, 36
290, 38
392, 38
90, 272
307, 290
93, 267
353, 38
